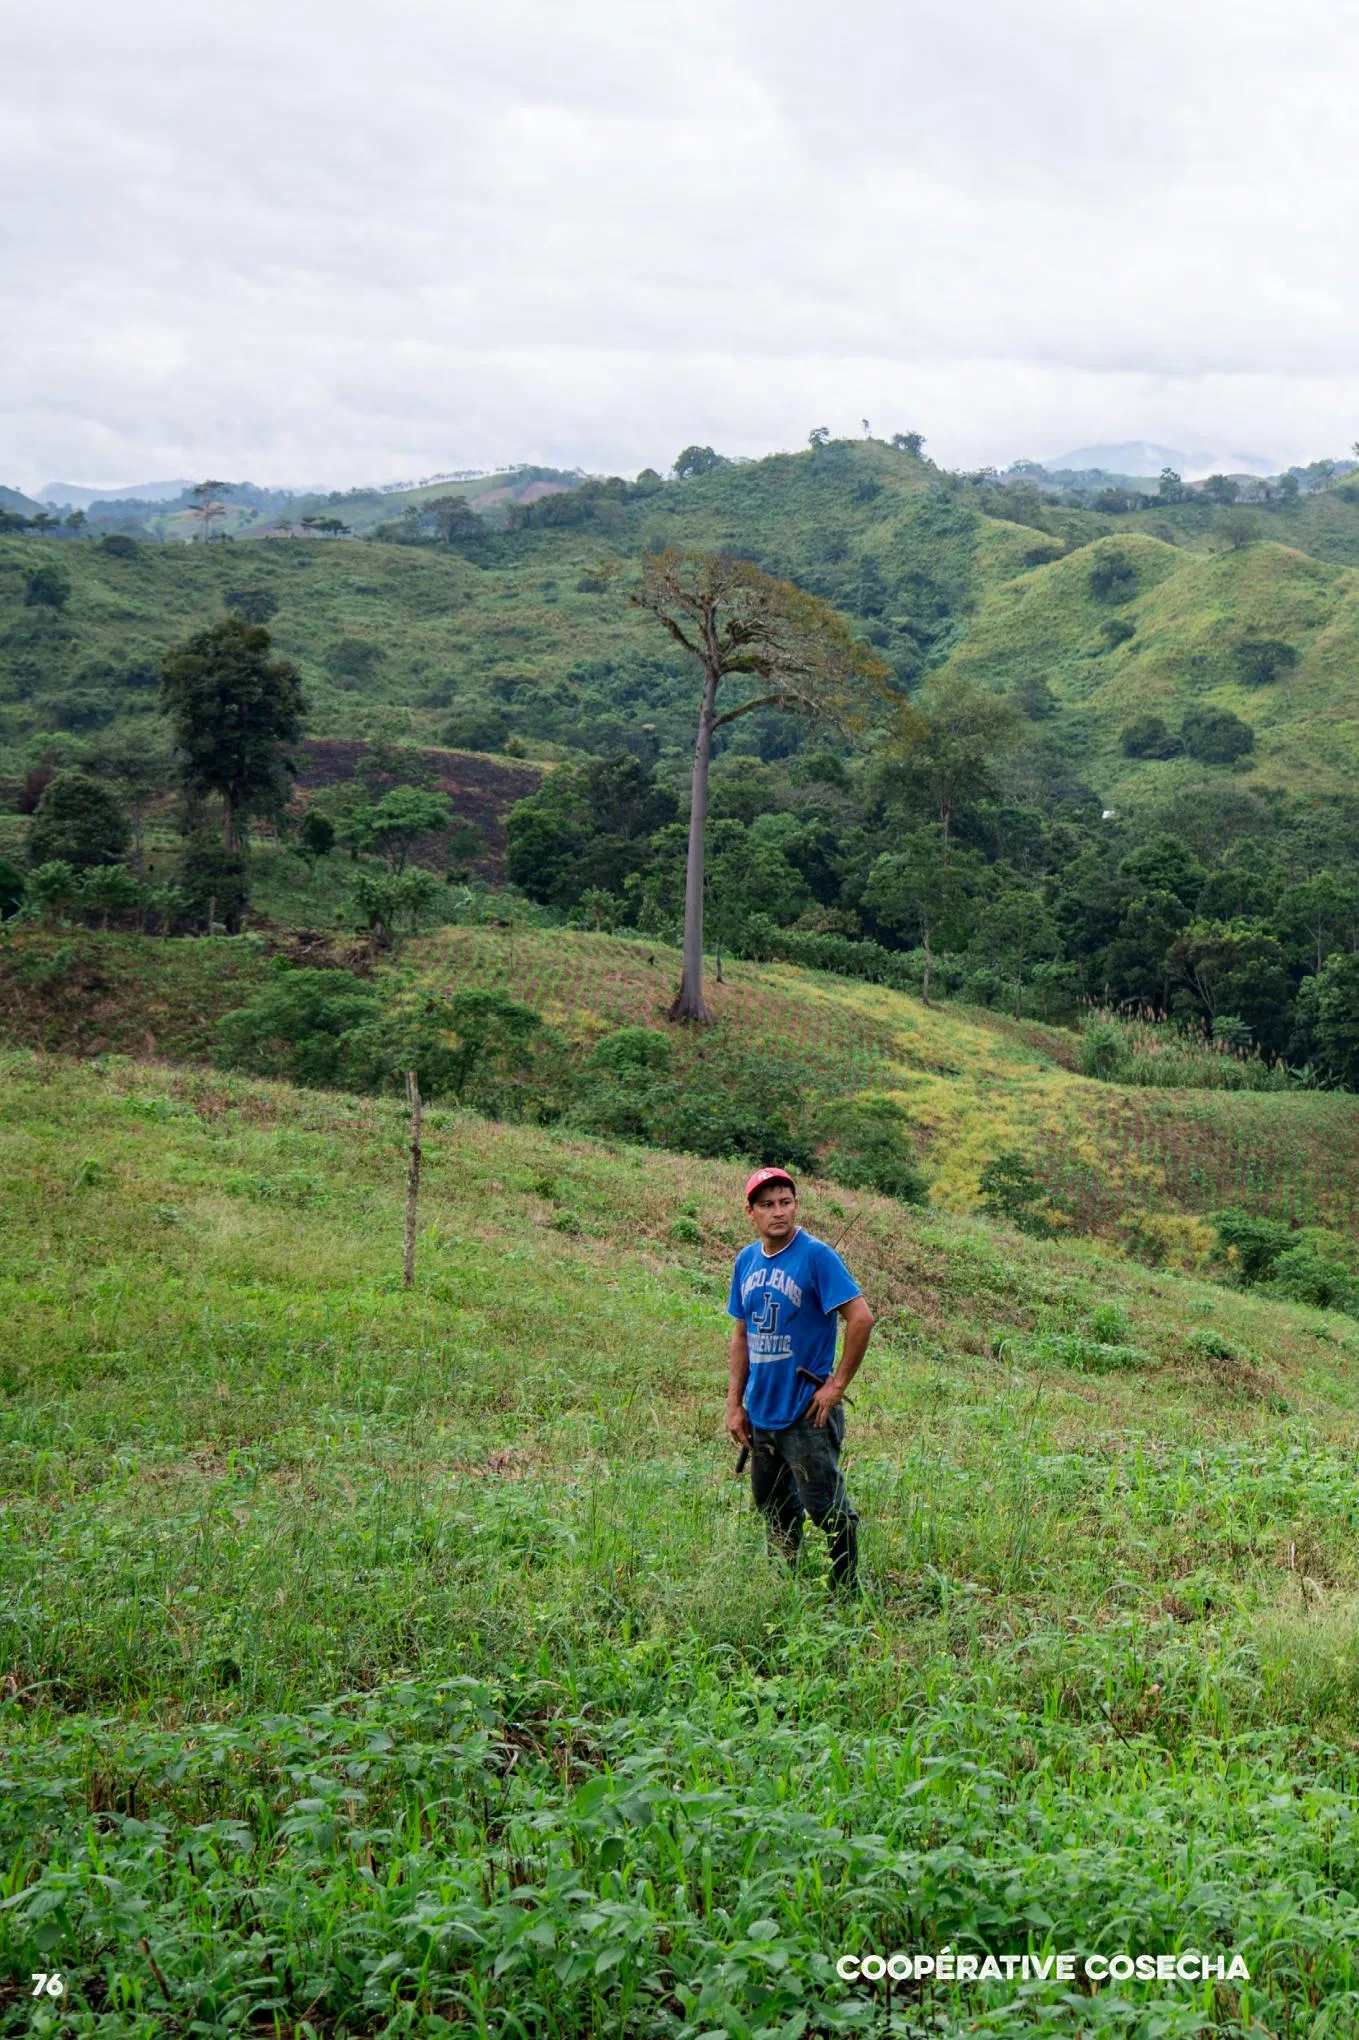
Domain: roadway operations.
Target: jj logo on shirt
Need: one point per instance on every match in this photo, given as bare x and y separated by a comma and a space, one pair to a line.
766, 1317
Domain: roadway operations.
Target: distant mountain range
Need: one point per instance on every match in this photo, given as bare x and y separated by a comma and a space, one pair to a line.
1144, 457
75, 496
1131, 457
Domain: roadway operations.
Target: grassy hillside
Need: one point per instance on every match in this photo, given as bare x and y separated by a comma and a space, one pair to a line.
1188, 616
385, 1662
971, 1084
1141, 1168
530, 633
394, 638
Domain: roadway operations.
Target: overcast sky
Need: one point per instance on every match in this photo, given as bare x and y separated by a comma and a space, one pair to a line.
346, 242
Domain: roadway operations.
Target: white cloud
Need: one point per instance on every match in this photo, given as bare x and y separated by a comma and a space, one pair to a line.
335, 241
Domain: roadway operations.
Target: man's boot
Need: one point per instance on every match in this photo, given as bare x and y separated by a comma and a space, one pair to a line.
845, 1554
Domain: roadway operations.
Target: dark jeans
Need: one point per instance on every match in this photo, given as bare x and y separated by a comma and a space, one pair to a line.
795, 1473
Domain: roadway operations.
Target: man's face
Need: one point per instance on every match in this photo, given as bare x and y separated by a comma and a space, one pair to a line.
775, 1214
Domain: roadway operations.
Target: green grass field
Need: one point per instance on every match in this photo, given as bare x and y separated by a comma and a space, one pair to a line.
379, 1662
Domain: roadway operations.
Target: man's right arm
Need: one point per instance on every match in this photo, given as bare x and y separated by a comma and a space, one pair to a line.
738, 1423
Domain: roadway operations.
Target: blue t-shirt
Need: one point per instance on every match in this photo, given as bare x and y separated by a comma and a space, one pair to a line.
788, 1301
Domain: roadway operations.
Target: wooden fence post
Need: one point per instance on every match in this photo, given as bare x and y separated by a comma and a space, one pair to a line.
412, 1176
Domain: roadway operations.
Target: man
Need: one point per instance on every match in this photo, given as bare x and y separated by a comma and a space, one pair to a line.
783, 1390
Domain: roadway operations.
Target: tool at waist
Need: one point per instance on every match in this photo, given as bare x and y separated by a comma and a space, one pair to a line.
817, 1381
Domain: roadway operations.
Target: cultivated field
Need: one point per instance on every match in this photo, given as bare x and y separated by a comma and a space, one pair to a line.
970, 1081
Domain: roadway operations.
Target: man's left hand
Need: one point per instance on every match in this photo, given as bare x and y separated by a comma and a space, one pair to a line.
823, 1402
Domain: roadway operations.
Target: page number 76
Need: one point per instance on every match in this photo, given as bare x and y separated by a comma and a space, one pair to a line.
45, 1985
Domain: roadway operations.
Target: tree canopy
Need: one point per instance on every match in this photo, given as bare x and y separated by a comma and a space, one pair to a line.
235, 711
786, 648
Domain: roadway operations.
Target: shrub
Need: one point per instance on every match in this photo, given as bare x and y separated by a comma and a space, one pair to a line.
254, 605
1326, 1021
109, 889
119, 546
213, 881
1113, 578
1010, 1190
1251, 1245
1165, 1239
1147, 737
869, 1150
351, 661
387, 901
47, 588
475, 729
724, 1100
1306, 1275
296, 1027
1214, 736
631, 1051
79, 821
1116, 630
471, 1047
1087, 1356
53, 888
1261, 660
316, 838
80, 708
1101, 1053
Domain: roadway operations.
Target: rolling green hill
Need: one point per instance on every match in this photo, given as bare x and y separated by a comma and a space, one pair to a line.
1189, 616
529, 633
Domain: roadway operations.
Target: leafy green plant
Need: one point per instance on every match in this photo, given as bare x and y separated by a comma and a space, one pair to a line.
392, 902
1306, 1275
1011, 1190
1251, 1244
298, 1026
80, 822
53, 889
868, 1149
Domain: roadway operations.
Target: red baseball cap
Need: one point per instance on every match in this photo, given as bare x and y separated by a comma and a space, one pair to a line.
763, 1176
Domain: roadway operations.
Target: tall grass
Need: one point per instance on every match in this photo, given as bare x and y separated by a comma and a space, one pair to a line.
1149, 1049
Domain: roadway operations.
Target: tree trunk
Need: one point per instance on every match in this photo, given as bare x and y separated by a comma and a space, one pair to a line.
1019, 985
929, 965
412, 1178
689, 1002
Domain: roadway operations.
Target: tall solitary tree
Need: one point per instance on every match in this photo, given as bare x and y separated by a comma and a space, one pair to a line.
795, 652
207, 505
234, 711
